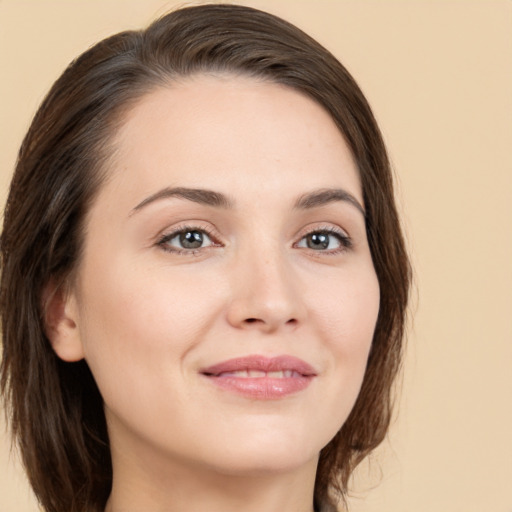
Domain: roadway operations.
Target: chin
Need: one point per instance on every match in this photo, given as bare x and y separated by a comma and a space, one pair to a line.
267, 463
267, 451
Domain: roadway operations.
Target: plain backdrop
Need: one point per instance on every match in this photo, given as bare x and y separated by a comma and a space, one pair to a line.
439, 77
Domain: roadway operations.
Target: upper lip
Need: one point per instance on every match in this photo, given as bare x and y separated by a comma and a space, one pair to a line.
261, 363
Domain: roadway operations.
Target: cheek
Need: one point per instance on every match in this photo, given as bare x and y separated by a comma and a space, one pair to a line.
137, 323
359, 317
139, 302
346, 310
347, 313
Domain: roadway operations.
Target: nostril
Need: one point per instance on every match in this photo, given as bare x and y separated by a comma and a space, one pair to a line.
268, 324
251, 321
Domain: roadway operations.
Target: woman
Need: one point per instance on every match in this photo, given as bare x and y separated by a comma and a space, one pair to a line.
204, 281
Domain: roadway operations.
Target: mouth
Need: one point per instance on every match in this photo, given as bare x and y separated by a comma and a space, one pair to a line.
259, 377
259, 374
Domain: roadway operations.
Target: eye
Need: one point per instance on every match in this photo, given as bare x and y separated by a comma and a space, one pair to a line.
325, 240
186, 240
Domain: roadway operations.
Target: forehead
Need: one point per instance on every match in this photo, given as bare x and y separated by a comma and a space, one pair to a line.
226, 131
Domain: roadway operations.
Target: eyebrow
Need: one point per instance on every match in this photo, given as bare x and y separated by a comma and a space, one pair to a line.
325, 196
197, 195
307, 201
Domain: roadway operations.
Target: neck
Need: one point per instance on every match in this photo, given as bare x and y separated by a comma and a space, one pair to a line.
165, 487
148, 480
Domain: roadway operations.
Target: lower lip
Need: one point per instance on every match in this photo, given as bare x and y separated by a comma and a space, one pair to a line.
262, 388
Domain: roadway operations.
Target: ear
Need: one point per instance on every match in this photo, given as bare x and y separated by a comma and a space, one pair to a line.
60, 317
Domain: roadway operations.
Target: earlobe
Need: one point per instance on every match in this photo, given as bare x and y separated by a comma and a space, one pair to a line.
61, 321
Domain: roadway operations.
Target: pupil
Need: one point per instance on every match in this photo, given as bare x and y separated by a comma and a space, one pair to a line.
318, 241
191, 239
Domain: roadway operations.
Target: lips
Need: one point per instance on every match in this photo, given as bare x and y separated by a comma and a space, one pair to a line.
261, 377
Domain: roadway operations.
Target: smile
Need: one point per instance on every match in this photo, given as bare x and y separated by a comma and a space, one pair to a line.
261, 378
258, 374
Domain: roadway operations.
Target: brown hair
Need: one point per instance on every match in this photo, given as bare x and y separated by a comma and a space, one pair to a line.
54, 408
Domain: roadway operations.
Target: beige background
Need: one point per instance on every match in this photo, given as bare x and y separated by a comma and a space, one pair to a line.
439, 76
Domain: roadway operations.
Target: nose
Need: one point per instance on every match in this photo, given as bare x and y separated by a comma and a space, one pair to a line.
266, 296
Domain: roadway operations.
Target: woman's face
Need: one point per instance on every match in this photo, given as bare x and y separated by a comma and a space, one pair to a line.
226, 299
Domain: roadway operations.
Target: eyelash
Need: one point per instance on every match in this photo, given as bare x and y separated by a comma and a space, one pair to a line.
167, 237
344, 240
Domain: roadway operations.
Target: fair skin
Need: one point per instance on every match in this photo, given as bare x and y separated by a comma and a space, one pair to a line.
173, 281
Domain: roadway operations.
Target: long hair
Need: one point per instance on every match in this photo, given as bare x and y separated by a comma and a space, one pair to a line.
55, 408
